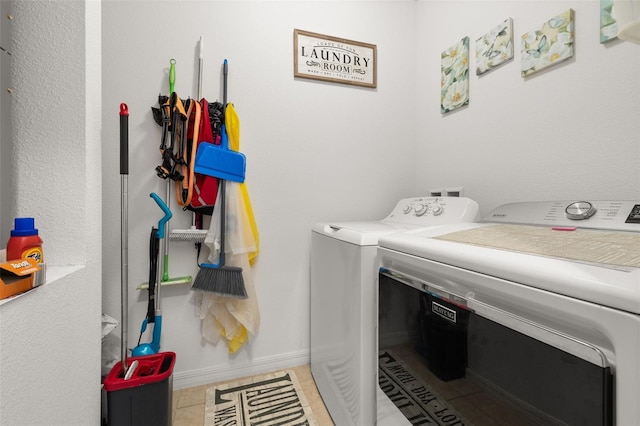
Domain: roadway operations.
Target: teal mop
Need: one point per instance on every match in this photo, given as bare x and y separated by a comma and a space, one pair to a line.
154, 311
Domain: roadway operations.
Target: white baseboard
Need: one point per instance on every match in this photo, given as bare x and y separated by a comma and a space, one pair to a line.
203, 376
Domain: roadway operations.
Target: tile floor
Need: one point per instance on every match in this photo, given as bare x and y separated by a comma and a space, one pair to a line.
188, 404
478, 404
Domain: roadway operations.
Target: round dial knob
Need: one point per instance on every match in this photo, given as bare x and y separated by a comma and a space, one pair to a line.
437, 210
421, 209
580, 210
406, 209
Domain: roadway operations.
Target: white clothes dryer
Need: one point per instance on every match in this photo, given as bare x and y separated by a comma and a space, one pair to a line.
344, 308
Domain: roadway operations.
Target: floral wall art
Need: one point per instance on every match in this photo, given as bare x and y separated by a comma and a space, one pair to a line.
494, 48
454, 76
548, 45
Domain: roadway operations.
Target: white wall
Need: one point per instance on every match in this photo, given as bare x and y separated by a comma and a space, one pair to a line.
570, 132
320, 151
315, 151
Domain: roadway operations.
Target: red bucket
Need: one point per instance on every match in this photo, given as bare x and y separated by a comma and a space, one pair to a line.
146, 397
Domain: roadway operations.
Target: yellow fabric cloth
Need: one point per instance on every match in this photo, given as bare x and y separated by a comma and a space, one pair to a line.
232, 123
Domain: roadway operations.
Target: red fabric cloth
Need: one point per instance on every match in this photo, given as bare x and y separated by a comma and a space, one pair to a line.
205, 189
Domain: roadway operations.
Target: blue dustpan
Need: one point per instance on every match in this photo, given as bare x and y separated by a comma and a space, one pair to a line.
219, 161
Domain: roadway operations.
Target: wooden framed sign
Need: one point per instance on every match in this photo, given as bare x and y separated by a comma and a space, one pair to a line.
322, 57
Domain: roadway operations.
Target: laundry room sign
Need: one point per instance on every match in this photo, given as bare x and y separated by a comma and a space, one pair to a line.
322, 57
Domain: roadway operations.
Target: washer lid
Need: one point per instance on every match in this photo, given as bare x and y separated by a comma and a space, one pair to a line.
409, 213
360, 233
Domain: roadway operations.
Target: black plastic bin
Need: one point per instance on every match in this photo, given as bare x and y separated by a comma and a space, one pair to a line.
145, 398
444, 327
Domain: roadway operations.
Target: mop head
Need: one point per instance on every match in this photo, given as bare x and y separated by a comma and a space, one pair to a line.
189, 235
223, 281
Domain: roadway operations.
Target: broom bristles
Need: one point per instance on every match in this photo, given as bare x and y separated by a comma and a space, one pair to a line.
223, 281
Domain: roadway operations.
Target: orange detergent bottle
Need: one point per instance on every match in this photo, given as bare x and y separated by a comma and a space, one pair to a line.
24, 241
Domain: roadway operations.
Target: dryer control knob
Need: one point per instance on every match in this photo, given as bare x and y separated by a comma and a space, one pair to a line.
406, 209
437, 210
580, 210
421, 209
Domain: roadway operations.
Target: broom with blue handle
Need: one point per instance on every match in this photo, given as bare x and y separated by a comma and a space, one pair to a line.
219, 278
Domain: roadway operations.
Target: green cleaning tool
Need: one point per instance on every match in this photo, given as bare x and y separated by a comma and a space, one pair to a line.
173, 111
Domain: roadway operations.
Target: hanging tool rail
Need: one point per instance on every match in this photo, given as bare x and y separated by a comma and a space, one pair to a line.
195, 158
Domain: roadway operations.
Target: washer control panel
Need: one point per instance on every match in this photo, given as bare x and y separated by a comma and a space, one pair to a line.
579, 210
613, 215
428, 211
634, 216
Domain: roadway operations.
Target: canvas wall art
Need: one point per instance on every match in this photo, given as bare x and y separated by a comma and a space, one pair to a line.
494, 48
454, 76
548, 45
608, 24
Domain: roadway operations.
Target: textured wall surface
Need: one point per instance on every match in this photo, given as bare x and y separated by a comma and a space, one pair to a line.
568, 132
50, 337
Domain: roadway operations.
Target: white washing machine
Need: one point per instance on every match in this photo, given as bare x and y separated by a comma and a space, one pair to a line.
344, 302
550, 297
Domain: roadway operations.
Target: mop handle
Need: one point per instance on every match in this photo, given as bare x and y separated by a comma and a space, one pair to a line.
124, 139
172, 76
124, 232
163, 243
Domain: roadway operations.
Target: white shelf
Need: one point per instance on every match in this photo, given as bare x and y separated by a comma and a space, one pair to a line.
54, 273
